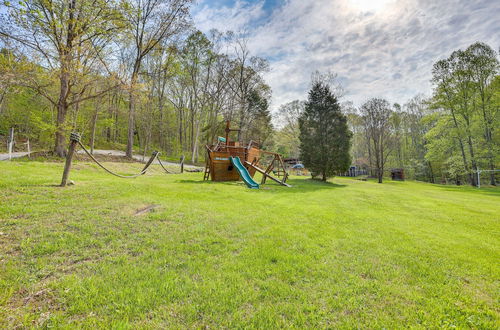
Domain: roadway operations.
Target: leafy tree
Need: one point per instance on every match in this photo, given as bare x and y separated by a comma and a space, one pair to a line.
67, 37
325, 139
484, 67
465, 91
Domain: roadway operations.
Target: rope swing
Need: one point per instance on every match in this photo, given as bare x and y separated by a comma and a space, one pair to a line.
75, 139
144, 170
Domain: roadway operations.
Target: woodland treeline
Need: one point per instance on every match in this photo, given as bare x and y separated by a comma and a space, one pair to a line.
444, 138
136, 75
126, 74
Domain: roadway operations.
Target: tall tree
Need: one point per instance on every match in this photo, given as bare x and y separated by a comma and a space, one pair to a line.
149, 23
442, 77
377, 122
484, 67
66, 35
325, 139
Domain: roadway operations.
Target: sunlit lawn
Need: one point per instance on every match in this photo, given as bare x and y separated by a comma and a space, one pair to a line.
346, 253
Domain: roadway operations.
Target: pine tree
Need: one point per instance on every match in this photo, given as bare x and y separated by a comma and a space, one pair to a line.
325, 139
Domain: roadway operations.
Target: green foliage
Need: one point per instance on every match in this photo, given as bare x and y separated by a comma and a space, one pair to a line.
325, 139
464, 97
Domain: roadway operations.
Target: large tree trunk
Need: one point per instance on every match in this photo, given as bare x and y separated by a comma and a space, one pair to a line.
473, 162
62, 110
64, 79
461, 144
431, 172
131, 113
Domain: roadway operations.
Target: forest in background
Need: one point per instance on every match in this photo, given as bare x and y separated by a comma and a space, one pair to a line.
444, 138
138, 76
144, 78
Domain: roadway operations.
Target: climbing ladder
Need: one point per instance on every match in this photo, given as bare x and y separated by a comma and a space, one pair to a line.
206, 174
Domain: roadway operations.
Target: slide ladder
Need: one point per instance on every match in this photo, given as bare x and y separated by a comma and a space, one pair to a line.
245, 176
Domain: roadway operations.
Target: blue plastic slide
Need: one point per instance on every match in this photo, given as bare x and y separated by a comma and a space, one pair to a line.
245, 176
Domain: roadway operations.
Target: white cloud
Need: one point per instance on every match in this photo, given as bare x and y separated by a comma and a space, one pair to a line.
387, 53
237, 17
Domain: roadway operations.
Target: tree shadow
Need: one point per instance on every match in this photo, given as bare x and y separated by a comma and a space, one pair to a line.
302, 186
209, 182
298, 185
488, 190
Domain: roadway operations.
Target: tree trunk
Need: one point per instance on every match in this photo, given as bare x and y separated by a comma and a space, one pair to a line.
461, 144
131, 125
92, 135
131, 110
431, 172
64, 80
369, 154
161, 134
472, 156
62, 110
194, 157
492, 174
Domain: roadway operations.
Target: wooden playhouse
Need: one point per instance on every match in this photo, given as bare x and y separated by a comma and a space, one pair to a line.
220, 166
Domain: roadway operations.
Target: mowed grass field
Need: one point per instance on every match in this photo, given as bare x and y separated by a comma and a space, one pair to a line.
342, 254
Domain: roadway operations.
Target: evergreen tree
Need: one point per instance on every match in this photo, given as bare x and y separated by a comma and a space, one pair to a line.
325, 139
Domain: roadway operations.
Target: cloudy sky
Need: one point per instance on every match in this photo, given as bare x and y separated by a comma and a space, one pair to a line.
378, 48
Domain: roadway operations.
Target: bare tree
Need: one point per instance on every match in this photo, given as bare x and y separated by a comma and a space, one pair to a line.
244, 78
376, 114
149, 23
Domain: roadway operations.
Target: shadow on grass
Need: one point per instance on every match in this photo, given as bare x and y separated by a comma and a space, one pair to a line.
305, 185
209, 182
298, 185
493, 191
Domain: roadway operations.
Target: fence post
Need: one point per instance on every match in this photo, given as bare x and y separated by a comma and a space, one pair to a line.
182, 164
74, 139
10, 144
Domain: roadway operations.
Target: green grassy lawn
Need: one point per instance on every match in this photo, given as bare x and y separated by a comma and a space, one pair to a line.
345, 253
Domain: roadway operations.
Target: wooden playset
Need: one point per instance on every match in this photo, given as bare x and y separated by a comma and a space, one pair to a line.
232, 160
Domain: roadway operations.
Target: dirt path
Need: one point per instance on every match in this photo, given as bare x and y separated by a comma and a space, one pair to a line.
14, 155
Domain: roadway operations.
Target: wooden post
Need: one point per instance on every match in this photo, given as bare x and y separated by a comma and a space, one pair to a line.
74, 138
29, 149
182, 164
10, 144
